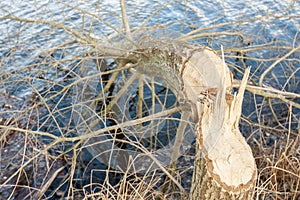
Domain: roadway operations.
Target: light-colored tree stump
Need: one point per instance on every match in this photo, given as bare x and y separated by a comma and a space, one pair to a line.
225, 167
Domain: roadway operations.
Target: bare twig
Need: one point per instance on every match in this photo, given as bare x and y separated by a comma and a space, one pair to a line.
269, 92
275, 63
125, 20
40, 194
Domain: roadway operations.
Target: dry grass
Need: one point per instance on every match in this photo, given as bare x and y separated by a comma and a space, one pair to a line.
52, 92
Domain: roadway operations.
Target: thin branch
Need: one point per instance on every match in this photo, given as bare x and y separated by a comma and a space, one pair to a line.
61, 26
125, 20
271, 93
275, 63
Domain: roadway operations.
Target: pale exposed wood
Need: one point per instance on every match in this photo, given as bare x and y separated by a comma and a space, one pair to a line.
228, 158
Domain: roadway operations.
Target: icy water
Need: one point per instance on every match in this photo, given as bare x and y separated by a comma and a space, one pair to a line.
27, 44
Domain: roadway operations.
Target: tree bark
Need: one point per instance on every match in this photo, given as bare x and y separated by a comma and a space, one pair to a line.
204, 187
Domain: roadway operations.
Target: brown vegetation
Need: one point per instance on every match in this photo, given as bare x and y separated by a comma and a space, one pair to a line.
50, 116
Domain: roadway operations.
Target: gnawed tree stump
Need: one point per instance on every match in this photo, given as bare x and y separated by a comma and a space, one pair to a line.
224, 164
225, 167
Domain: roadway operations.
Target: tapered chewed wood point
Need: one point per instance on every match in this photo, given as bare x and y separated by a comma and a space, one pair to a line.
229, 161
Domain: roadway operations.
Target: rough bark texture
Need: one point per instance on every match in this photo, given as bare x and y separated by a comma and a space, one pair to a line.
204, 187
